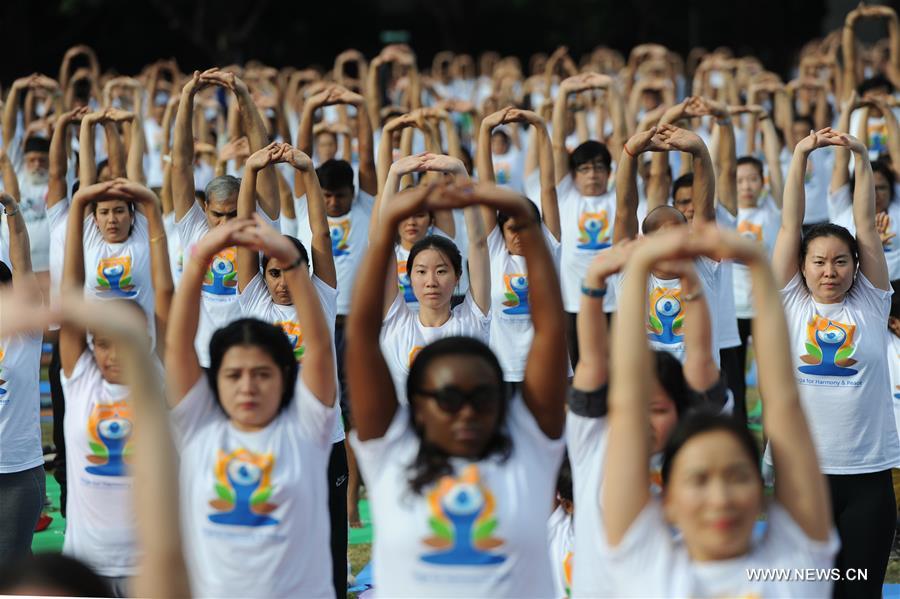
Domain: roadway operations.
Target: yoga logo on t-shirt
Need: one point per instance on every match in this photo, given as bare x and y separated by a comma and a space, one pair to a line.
666, 321
413, 353
516, 293
593, 230
109, 436
221, 276
567, 573
502, 172
750, 230
243, 487
829, 345
340, 236
404, 283
462, 522
114, 278
294, 335
2, 382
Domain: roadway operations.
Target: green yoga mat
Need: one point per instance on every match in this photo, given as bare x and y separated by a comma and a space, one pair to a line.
51, 539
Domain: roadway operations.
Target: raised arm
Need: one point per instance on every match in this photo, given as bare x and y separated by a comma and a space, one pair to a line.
726, 157
840, 174
374, 395
19, 246
704, 182
182, 172
700, 369
115, 149
786, 255
318, 372
57, 189
872, 262
549, 200
848, 49
135, 165
626, 223
247, 257
321, 247
185, 312
87, 163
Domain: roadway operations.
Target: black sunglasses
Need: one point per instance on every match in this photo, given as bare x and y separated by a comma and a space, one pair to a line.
451, 399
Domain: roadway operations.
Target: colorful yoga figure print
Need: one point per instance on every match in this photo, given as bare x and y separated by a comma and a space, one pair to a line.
516, 294
109, 435
666, 318
221, 277
829, 345
462, 521
593, 230
404, 283
2, 381
114, 278
243, 487
340, 237
294, 335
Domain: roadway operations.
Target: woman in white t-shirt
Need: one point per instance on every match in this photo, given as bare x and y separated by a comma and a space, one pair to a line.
712, 490
416, 227
836, 295
254, 437
21, 457
462, 479
116, 230
98, 422
264, 294
435, 267
511, 328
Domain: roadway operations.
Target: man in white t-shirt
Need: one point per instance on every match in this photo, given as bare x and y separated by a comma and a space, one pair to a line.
193, 219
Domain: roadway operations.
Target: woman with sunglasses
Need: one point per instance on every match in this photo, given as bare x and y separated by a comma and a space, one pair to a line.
435, 266
712, 489
462, 478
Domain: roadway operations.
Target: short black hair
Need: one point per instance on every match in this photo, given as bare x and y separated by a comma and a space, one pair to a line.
335, 174
685, 180
881, 166
439, 243
37, 144
875, 82
590, 151
753, 161
805, 118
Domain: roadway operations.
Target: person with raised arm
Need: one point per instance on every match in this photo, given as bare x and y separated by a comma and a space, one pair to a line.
253, 433
712, 489
587, 207
459, 476
21, 456
836, 296
265, 295
194, 219
511, 327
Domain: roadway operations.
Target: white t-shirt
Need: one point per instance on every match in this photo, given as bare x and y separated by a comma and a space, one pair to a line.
120, 270
650, 562
480, 532
509, 169
893, 354
403, 280
760, 224
218, 296
173, 244
403, 335
842, 375
840, 211
587, 227
665, 319
728, 334
349, 241
100, 519
20, 403
511, 329
561, 537
254, 505
33, 205
256, 302
57, 219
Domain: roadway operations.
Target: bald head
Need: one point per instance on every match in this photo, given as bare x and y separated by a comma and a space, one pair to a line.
660, 217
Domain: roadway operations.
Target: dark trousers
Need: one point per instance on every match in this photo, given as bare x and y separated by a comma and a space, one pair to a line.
865, 514
21, 500
572, 337
731, 365
59, 413
337, 510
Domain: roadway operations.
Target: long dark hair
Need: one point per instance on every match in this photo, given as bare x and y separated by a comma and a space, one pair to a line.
670, 373
255, 333
431, 462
